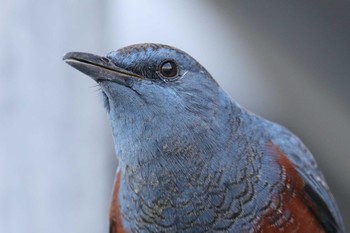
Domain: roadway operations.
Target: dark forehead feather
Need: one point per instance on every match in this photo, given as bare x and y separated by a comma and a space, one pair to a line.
147, 54
147, 50
146, 47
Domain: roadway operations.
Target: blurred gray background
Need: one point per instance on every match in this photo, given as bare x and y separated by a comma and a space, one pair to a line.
285, 60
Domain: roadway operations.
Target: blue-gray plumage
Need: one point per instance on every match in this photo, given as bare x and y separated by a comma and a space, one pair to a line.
193, 160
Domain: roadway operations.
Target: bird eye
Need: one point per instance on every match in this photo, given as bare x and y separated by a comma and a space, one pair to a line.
168, 69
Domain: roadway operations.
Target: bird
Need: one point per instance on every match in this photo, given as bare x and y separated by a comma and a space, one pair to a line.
191, 159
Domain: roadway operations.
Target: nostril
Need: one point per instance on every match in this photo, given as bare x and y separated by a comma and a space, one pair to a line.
105, 60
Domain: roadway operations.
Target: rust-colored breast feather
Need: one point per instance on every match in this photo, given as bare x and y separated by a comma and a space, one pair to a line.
290, 210
115, 220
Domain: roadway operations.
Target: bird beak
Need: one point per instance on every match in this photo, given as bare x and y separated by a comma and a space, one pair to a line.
99, 68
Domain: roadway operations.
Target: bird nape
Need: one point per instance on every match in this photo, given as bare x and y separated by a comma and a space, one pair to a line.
192, 160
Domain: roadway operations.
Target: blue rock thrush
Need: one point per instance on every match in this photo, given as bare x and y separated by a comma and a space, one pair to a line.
192, 160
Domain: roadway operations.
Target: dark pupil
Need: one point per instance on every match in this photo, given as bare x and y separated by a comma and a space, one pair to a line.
168, 69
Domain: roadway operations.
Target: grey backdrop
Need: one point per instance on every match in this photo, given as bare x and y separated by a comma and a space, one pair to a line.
287, 61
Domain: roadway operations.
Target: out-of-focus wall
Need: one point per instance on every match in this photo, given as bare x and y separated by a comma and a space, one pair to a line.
285, 61
56, 159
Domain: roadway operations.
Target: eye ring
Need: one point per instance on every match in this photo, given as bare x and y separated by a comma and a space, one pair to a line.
168, 69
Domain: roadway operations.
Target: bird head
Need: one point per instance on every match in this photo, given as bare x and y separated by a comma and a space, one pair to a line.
154, 91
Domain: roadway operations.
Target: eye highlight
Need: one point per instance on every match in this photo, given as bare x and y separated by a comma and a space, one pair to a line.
168, 69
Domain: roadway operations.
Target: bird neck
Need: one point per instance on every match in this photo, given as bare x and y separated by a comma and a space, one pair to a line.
140, 141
